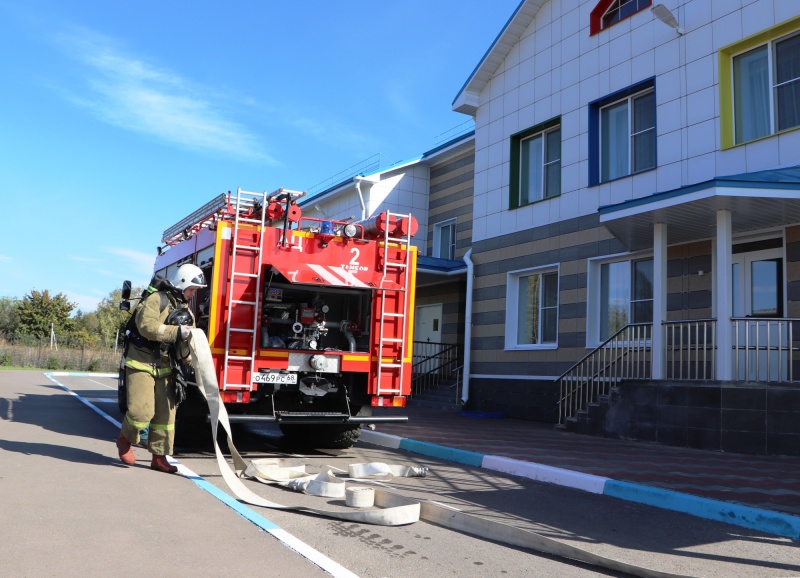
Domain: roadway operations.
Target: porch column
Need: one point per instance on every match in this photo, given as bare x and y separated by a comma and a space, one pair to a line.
659, 299
723, 296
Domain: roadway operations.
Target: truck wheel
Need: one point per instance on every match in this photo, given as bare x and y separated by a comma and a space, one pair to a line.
339, 438
192, 429
336, 437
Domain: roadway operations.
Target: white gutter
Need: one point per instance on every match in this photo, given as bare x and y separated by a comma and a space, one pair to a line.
358, 179
467, 327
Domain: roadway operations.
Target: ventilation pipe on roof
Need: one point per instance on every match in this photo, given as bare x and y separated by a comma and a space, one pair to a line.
467, 328
358, 179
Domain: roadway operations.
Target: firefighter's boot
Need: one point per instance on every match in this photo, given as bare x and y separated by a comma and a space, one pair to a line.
160, 464
125, 451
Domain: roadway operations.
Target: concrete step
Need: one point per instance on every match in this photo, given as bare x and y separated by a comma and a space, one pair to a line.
428, 403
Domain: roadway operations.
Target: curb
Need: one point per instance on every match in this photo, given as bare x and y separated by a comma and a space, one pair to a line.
767, 521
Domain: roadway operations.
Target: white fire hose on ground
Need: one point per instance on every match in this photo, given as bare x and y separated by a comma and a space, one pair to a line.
392, 509
395, 510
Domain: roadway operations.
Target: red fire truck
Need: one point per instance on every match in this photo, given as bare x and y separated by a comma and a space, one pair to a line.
309, 320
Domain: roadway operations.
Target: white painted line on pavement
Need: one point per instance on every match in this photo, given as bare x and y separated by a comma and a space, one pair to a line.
308, 552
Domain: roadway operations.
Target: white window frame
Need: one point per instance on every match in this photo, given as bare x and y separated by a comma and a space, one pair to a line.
772, 96
619, 5
437, 238
631, 135
512, 316
594, 279
543, 164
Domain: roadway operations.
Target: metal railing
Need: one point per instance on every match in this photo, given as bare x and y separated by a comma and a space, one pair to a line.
433, 364
690, 349
764, 348
624, 355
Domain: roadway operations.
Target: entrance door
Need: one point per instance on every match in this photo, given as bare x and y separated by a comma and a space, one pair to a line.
759, 337
427, 337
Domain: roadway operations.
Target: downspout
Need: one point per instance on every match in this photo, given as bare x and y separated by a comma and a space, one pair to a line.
358, 179
467, 328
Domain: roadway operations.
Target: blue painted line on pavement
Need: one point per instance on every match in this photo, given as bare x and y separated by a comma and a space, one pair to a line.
436, 451
235, 505
746, 516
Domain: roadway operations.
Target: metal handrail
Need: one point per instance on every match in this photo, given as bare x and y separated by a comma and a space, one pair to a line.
624, 355
689, 353
433, 366
771, 355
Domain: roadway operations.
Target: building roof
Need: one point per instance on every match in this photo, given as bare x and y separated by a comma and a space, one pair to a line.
468, 98
452, 147
441, 266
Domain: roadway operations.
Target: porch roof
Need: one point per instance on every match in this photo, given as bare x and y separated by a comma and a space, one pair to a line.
757, 200
432, 270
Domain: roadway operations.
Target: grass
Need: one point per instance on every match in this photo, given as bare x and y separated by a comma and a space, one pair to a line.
42, 356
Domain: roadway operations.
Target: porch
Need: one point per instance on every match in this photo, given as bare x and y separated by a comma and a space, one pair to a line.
612, 391
724, 321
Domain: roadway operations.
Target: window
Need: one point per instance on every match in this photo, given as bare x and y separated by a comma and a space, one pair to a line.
608, 12
444, 239
626, 295
535, 164
532, 312
759, 84
628, 136
540, 166
766, 89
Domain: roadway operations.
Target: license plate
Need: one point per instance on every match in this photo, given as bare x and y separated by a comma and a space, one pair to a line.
275, 377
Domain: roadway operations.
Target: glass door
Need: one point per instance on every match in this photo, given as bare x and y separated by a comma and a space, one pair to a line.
760, 338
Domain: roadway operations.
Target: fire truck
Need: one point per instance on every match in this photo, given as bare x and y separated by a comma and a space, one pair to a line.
309, 320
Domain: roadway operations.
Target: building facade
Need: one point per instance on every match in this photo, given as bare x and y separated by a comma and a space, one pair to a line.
636, 165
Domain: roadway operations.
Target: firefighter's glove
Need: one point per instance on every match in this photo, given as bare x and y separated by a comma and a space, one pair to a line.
180, 388
184, 333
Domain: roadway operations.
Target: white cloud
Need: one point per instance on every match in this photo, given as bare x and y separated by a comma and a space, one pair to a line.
81, 259
139, 264
6, 258
132, 94
85, 303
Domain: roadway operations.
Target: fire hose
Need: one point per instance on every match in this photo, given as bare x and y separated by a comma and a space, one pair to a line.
393, 509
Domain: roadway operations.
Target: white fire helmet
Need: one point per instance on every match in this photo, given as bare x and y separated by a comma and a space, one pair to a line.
188, 275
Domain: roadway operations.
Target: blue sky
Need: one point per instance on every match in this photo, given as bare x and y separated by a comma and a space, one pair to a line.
119, 119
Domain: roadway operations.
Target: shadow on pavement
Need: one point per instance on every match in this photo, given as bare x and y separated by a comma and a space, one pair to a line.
56, 413
66, 453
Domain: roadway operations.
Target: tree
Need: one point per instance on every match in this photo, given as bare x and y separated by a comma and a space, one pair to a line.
8, 314
38, 311
109, 318
83, 329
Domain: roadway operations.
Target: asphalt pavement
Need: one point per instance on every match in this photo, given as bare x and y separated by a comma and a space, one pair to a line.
69, 507
755, 491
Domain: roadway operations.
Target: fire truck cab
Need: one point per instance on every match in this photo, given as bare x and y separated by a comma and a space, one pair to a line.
309, 320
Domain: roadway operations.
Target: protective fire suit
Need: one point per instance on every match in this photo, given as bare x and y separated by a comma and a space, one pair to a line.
151, 396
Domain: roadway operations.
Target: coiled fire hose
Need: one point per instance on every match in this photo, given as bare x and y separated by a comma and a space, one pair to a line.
392, 509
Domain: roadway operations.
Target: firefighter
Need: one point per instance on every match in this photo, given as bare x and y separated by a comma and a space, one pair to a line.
148, 368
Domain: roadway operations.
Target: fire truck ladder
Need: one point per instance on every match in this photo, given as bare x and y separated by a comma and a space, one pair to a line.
387, 338
245, 201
